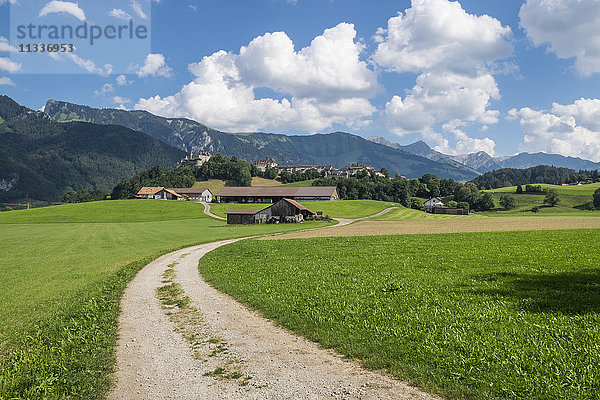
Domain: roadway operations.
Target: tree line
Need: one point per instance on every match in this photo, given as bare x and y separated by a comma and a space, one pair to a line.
541, 174
409, 192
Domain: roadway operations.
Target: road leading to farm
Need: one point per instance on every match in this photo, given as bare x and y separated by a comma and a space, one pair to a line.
180, 338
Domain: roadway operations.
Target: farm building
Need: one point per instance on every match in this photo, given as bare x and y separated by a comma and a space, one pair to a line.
168, 194
285, 210
148, 192
161, 193
196, 194
275, 194
432, 204
245, 216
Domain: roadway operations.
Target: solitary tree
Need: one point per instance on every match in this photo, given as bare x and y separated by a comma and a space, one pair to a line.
597, 198
486, 202
552, 198
508, 202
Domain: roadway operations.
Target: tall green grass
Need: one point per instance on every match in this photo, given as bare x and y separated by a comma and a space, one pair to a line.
63, 272
508, 315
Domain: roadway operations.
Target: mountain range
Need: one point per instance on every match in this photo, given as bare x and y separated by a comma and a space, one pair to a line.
44, 154
338, 149
41, 159
482, 162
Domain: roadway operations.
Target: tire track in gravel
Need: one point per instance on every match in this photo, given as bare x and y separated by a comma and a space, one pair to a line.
215, 348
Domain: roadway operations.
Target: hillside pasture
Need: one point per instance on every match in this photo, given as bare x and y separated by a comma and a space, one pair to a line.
469, 316
570, 204
349, 209
577, 190
301, 183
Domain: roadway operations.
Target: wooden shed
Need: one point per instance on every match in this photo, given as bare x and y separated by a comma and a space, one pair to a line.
285, 210
245, 216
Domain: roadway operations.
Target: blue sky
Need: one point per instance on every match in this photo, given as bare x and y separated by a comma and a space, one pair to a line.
499, 76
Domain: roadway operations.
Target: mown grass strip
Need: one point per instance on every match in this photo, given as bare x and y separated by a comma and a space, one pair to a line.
470, 316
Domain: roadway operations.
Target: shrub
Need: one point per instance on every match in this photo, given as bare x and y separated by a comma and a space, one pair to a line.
452, 204
552, 198
7, 209
597, 198
508, 202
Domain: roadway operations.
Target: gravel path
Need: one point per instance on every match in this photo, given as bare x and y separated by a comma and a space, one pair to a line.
207, 212
216, 348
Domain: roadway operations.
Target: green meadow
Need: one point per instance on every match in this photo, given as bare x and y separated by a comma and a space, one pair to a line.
574, 201
406, 214
63, 271
335, 209
503, 315
580, 190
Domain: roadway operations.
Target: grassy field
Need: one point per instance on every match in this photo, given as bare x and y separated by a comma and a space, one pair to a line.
582, 190
469, 316
574, 200
301, 183
569, 205
63, 271
256, 181
406, 214
214, 185
335, 209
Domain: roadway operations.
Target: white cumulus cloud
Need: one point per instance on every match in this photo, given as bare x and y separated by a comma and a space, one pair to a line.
7, 65
122, 81
106, 88
321, 85
570, 28
120, 100
65, 7
6, 81
5, 45
455, 55
570, 130
155, 65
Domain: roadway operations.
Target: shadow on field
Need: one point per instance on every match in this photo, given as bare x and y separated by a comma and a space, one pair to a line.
574, 293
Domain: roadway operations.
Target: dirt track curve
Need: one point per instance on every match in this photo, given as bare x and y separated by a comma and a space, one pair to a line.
233, 353
215, 348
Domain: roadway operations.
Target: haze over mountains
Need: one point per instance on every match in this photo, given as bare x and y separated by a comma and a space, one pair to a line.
482, 162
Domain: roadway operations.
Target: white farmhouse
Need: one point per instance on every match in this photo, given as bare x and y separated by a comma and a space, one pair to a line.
433, 203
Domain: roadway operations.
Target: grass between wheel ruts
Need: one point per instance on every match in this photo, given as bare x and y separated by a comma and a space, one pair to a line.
486, 315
